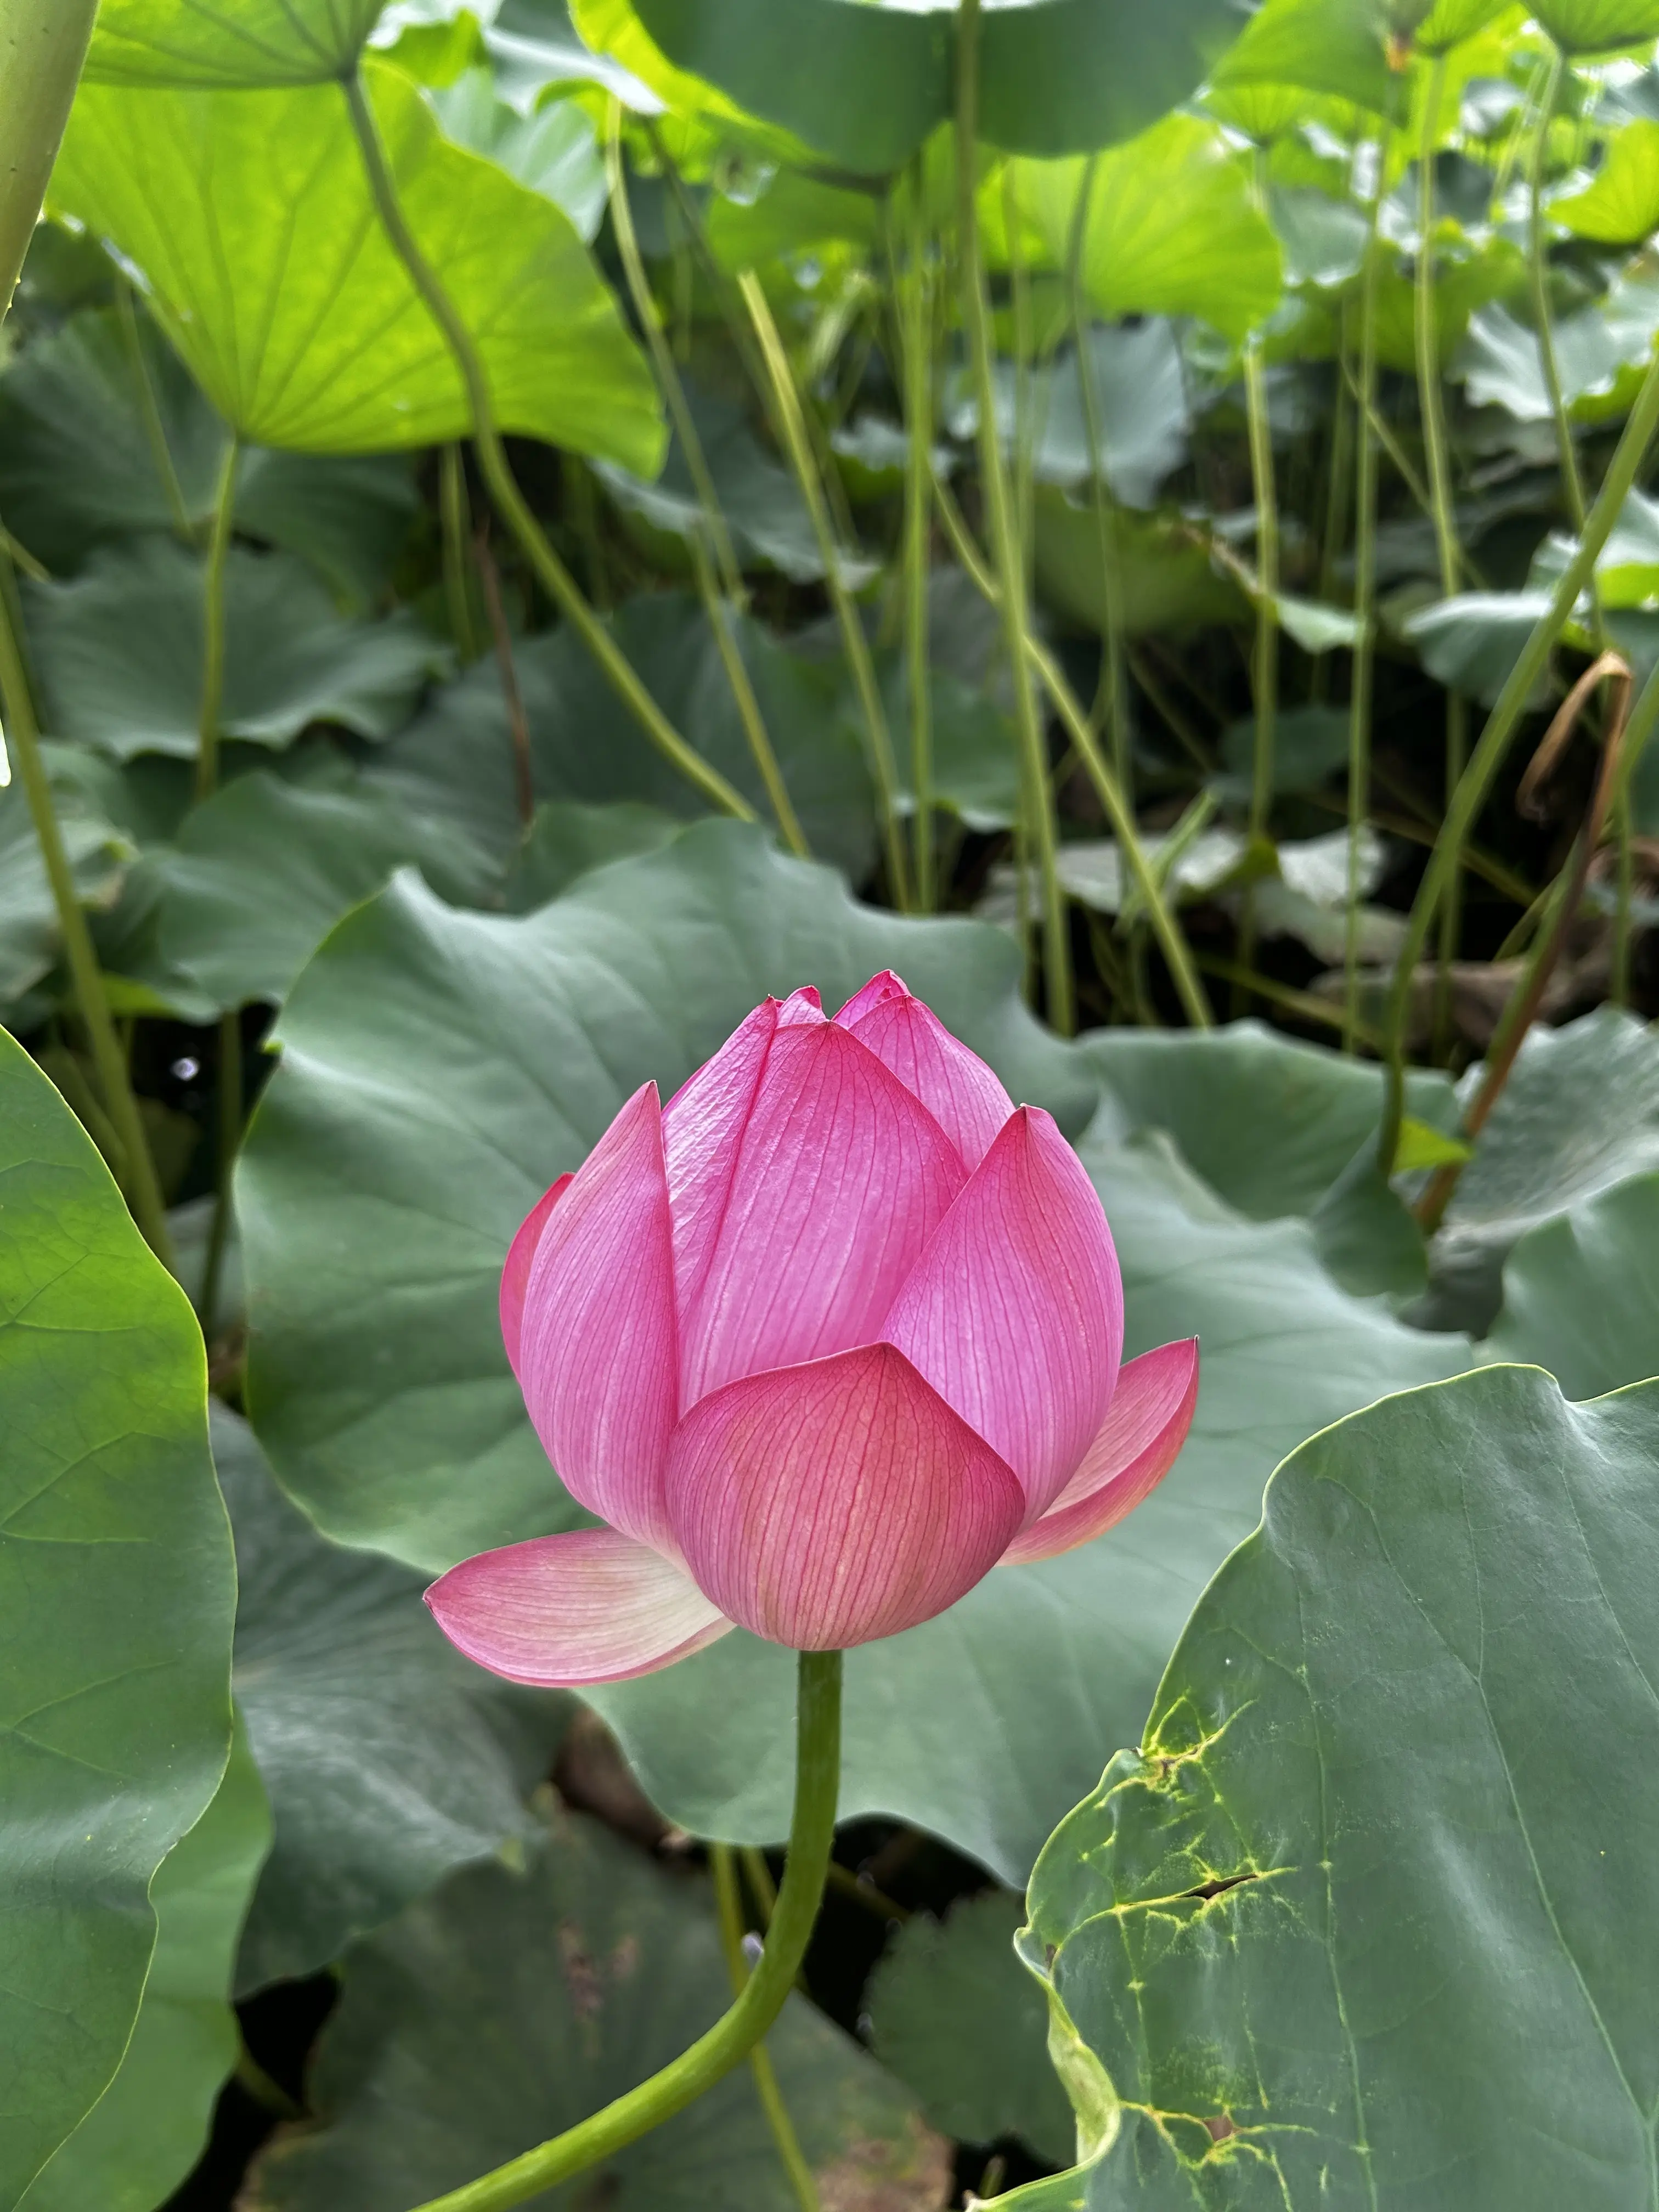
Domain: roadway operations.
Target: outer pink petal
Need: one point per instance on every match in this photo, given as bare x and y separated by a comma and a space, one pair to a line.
599, 1354
956, 1086
837, 1180
703, 1123
560, 1611
828, 1505
1015, 1314
515, 1275
1136, 1445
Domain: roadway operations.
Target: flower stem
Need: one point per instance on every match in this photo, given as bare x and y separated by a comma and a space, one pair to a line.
713, 538
213, 626
1006, 555
1114, 694
915, 327
513, 508
1365, 604
457, 522
739, 2031
725, 1869
1538, 271
790, 423
1498, 735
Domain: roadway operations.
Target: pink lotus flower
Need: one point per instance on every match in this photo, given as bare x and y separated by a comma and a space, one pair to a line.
823, 1341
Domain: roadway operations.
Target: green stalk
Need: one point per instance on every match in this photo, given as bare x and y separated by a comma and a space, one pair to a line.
723, 1867
454, 516
915, 325
1007, 562
1115, 682
791, 424
718, 538
137, 1178
739, 2031
1338, 486
155, 434
213, 625
42, 45
1265, 668
231, 1115
1431, 412
1364, 607
510, 503
1537, 267
1498, 735
1080, 730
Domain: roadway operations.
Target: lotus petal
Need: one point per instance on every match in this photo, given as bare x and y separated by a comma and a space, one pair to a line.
1015, 1312
828, 1504
956, 1086
560, 1611
515, 1274
1136, 1447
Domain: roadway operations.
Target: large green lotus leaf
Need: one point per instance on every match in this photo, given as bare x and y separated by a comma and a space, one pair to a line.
455, 762
1172, 228
866, 85
439, 1069
260, 873
1446, 23
1168, 582
119, 650
564, 841
1470, 643
229, 43
1596, 27
1622, 206
1142, 412
1372, 1918
99, 854
1268, 1121
976, 1725
250, 217
80, 465
1580, 1113
962, 2023
1581, 1293
520, 1999
1333, 47
117, 1592
146, 2132
1600, 353
388, 1758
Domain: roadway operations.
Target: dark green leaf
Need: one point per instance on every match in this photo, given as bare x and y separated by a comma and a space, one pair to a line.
117, 1591
964, 2024
146, 2132
250, 217
1470, 643
1371, 1918
456, 762
119, 652
389, 1759
518, 2001
98, 855
565, 841
866, 85
1167, 583
1580, 1113
1581, 1293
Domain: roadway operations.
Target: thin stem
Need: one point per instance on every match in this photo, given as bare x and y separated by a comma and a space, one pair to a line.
1265, 668
510, 503
1008, 563
716, 538
229, 1134
137, 1178
455, 517
738, 2032
1115, 675
1340, 482
915, 327
1498, 735
1364, 607
524, 780
1432, 412
43, 44
1538, 270
791, 424
149, 412
1080, 730
213, 625
723, 1869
